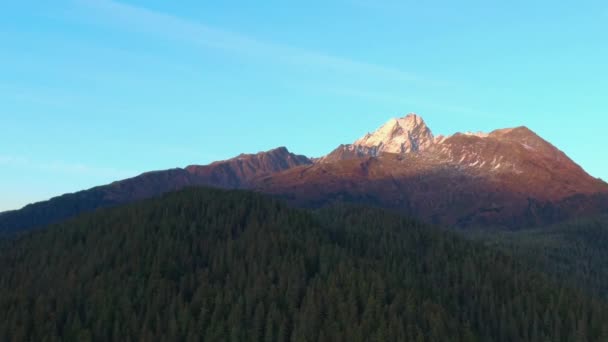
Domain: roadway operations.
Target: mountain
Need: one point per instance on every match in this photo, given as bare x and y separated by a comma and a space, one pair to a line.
509, 177
403, 135
212, 265
506, 178
237, 172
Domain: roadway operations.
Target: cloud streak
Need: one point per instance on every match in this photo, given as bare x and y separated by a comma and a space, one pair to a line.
179, 29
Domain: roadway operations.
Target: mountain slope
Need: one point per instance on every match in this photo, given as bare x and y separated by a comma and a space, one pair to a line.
506, 178
239, 171
408, 134
402, 135
509, 177
216, 265
232, 173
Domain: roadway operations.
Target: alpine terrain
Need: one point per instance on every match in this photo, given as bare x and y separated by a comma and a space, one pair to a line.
506, 178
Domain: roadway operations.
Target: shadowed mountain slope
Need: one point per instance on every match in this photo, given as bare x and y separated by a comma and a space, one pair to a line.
232, 173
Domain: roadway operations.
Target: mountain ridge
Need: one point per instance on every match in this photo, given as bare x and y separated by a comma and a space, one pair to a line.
231, 173
508, 177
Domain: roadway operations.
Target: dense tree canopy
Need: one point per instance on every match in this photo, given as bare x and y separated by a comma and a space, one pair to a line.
203, 264
574, 252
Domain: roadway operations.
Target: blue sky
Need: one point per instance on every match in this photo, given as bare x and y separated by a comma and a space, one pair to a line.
94, 90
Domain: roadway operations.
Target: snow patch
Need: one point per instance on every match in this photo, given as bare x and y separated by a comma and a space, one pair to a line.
528, 147
477, 134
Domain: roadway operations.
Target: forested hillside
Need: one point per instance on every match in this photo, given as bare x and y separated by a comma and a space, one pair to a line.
203, 264
575, 252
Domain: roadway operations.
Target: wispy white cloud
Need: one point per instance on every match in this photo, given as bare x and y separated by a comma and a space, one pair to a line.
187, 31
62, 167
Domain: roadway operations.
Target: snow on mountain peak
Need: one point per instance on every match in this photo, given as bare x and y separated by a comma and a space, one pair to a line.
399, 135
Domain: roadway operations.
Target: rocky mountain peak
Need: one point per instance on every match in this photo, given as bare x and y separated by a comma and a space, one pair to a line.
399, 135
507, 177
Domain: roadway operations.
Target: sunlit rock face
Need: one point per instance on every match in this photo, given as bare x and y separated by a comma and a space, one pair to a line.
402, 135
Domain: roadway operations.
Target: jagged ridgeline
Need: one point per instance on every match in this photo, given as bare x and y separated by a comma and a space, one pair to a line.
214, 265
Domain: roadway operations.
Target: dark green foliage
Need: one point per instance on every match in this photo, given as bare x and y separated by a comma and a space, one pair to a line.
59, 208
575, 252
212, 265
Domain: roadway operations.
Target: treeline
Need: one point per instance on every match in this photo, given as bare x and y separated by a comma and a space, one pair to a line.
203, 264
